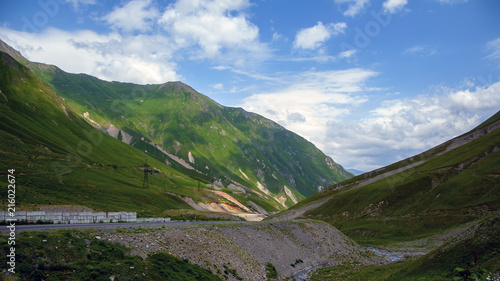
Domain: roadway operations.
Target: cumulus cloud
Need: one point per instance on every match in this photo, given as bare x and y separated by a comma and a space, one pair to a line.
394, 6
327, 108
214, 26
354, 7
144, 45
314, 37
140, 59
311, 100
401, 128
136, 15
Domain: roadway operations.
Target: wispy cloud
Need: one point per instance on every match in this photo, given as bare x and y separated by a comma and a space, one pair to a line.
451, 2
347, 54
77, 3
493, 47
218, 86
420, 50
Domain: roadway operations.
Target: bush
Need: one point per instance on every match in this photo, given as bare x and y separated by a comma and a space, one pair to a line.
271, 272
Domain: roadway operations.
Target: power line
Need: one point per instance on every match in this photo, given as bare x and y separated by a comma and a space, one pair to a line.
147, 172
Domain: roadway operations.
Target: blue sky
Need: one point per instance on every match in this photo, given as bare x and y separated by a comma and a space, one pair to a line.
368, 82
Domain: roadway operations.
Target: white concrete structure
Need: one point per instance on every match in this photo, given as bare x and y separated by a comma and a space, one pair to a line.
77, 217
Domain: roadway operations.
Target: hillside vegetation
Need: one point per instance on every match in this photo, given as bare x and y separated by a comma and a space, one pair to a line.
441, 205
253, 159
449, 185
59, 159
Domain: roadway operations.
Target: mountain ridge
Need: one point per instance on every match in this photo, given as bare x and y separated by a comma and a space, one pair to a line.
449, 178
221, 147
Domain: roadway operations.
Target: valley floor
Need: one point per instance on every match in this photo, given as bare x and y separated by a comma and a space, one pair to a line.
232, 250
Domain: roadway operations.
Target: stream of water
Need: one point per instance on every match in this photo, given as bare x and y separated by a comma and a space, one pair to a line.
384, 252
304, 274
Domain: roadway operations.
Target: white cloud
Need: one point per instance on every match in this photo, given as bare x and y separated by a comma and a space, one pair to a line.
347, 54
218, 86
314, 37
219, 28
420, 50
311, 100
139, 59
404, 127
277, 36
494, 48
354, 7
136, 15
451, 2
333, 109
76, 3
394, 6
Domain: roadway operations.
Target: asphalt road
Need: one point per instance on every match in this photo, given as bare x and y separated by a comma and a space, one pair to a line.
37, 227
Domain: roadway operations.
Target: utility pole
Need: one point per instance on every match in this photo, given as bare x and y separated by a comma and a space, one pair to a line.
147, 172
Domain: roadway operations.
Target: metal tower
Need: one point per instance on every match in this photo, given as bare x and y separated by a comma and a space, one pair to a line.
147, 172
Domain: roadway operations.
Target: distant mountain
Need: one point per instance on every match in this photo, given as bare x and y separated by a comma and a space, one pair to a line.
261, 164
449, 185
355, 172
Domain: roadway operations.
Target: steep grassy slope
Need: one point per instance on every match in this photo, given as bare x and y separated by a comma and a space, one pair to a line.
472, 255
451, 184
59, 159
226, 144
195, 135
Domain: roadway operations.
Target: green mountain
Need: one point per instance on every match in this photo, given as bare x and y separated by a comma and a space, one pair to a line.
59, 159
193, 141
449, 185
439, 209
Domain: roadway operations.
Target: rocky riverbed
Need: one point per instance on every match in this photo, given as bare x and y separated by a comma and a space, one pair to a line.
243, 250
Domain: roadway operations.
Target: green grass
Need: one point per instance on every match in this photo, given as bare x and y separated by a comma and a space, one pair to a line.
448, 262
355, 272
474, 252
449, 190
74, 255
225, 139
455, 189
222, 140
194, 215
271, 273
59, 159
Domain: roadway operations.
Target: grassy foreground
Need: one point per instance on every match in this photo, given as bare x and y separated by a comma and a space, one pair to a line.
76, 255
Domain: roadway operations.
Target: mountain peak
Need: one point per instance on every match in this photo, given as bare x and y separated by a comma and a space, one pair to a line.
241, 151
4, 47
